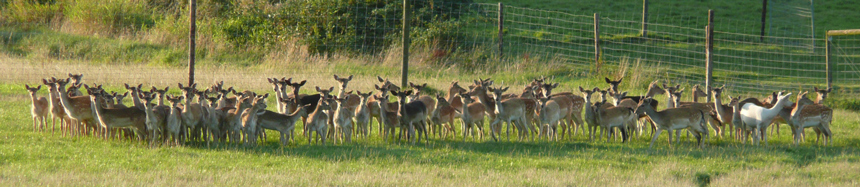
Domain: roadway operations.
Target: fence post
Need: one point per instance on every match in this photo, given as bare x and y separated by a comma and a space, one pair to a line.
597, 41
405, 69
645, 18
191, 39
763, 17
828, 41
709, 60
501, 30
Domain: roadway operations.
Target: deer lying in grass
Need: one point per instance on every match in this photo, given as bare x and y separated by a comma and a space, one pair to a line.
759, 117
283, 123
675, 119
472, 116
810, 114
39, 108
412, 116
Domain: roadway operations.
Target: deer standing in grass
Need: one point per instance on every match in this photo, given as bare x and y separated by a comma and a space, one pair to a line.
723, 111
283, 123
156, 119
192, 113
568, 103
550, 115
362, 115
343, 124
250, 119
118, 118
760, 117
511, 111
39, 108
57, 111
77, 108
810, 114
174, 121
590, 109
675, 119
472, 117
412, 116
443, 116
317, 121
429, 103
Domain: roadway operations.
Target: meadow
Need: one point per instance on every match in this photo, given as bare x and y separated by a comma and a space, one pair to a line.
155, 55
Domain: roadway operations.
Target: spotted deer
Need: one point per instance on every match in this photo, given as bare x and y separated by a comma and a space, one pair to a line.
39, 108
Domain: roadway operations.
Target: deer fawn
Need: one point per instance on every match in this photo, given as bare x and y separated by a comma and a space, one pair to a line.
39, 108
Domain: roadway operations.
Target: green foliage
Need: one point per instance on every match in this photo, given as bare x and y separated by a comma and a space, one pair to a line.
118, 16
26, 12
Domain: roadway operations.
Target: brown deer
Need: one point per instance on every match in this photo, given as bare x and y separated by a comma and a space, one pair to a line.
412, 116
675, 119
511, 111
362, 115
811, 114
77, 108
429, 102
39, 108
472, 116
317, 121
250, 119
119, 118
283, 123
57, 111
443, 116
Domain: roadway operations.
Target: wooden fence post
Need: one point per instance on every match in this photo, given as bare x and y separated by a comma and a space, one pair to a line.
828, 39
405, 69
192, 39
597, 42
763, 17
501, 30
645, 18
709, 51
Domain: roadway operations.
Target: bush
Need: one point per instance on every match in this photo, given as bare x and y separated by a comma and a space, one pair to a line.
116, 17
28, 12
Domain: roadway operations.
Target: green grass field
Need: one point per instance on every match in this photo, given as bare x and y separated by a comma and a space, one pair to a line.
45, 158
156, 57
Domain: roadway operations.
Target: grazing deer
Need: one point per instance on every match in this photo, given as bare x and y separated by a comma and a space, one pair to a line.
57, 111
250, 119
443, 115
118, 118
77, 108
283, 123
760, 117
511, 111
811, 114
362, 114
38, 109
412, 116
317, 121
472, 116
675, 119
174, 121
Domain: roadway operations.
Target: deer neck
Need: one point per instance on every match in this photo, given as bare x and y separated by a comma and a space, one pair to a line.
499, 108
718, 106
654, 115
64, 100
136, 100
97, 110
795, 113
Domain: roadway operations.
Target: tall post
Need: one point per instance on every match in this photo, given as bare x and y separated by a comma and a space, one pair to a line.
501, 30
828, 39
192, 39
405, 69
709, 51
645, 18
763, 17
597, 42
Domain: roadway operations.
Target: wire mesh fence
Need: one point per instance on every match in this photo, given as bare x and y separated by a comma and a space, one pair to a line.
788, 57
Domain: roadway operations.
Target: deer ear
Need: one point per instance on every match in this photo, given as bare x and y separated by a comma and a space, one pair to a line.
335, 77
607, 79
393, 92
380, 79
318, 89
580, 89
350, 77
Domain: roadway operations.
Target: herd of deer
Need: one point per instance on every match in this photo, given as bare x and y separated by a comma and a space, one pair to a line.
537, 111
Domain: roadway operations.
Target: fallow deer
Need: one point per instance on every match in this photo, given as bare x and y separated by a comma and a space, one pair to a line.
39, 108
